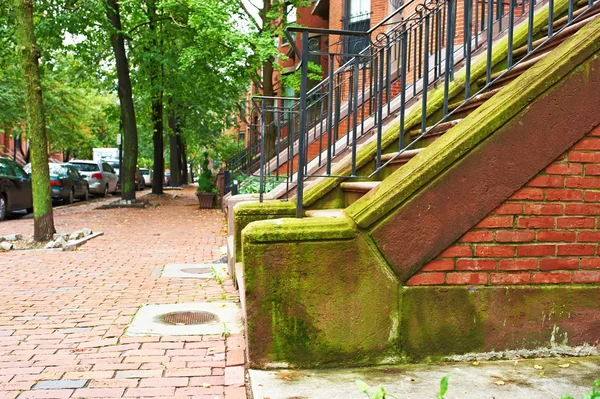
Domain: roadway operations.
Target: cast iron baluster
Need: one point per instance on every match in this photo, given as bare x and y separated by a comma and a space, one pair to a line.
330, 112
303, 92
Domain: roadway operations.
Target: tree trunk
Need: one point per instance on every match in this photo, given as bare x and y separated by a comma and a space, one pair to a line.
270, 129
174, 152
183, 163
156, 78
43, 220
130, 137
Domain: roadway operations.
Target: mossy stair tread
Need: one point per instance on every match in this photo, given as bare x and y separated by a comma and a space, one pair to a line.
403, 157
476, 101
441, 128
360, 187
330, 213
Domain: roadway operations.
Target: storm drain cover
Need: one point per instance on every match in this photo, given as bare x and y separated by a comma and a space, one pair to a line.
188, 318
195, 270
185, 319
198, 270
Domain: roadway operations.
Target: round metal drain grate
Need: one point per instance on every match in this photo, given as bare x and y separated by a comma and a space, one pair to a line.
188, 318
197, 270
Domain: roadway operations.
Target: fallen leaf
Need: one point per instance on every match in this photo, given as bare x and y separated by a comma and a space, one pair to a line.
475, 363
538, 367
542, 373
499, 382
564, 366
572, 361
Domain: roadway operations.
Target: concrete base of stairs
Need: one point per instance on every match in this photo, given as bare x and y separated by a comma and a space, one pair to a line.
531, 379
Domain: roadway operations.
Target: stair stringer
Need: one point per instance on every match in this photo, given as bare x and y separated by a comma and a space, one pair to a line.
460, 178
296, 270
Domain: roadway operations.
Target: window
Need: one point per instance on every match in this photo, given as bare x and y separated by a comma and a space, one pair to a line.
242, 136
58, 171
358, 19
359, 9
288, 104
106, 167
5, 168
291, 18
290, 13
86, 167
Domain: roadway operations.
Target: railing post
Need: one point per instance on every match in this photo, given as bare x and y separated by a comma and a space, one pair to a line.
301, 160
354, 94
262, 151
404, 39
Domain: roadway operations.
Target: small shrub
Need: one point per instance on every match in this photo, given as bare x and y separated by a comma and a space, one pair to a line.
251, 184
205, 180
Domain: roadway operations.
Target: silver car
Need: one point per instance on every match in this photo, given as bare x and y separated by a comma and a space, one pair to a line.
100, 176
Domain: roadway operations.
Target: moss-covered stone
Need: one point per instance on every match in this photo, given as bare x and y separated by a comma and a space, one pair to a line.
461, 139
443, 321
292, 229
248, 212
319, 303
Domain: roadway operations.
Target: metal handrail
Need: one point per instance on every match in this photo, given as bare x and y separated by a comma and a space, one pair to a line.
414, 55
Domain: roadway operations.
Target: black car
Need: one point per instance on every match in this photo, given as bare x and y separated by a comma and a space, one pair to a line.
67, 184
15, 188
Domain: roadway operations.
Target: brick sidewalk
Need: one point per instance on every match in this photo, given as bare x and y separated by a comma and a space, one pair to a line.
63, 314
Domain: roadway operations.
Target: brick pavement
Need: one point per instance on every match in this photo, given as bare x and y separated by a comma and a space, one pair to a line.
63, 314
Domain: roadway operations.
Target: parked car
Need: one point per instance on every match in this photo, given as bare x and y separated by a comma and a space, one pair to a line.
66, 183
148, 175
139, 181
15, 188
100, 176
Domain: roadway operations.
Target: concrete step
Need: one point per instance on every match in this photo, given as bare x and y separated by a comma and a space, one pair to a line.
360, 187
402, 158
353, 191
475, 101
330, 213
438, 130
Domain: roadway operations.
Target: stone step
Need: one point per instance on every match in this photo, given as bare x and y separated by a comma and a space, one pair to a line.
475, 102
402, 158
329, 213
436, 131
359, 187
353, 191
513, 73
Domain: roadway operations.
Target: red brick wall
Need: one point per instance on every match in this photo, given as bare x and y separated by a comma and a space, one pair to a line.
546, 233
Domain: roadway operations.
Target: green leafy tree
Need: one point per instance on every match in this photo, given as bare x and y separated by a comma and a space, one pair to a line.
36, 123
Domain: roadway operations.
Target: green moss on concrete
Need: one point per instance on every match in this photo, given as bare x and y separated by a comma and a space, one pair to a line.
248, 212
292, 229
434, 103
319, 303
266, 208
444, 321
445, 151
334, 199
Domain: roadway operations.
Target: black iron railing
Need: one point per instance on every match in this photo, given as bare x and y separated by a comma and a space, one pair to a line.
402, 63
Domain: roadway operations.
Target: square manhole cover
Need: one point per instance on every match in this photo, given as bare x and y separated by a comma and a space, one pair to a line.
199, 270
213, 318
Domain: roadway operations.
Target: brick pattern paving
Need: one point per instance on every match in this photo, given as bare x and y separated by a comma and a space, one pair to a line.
63, 314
